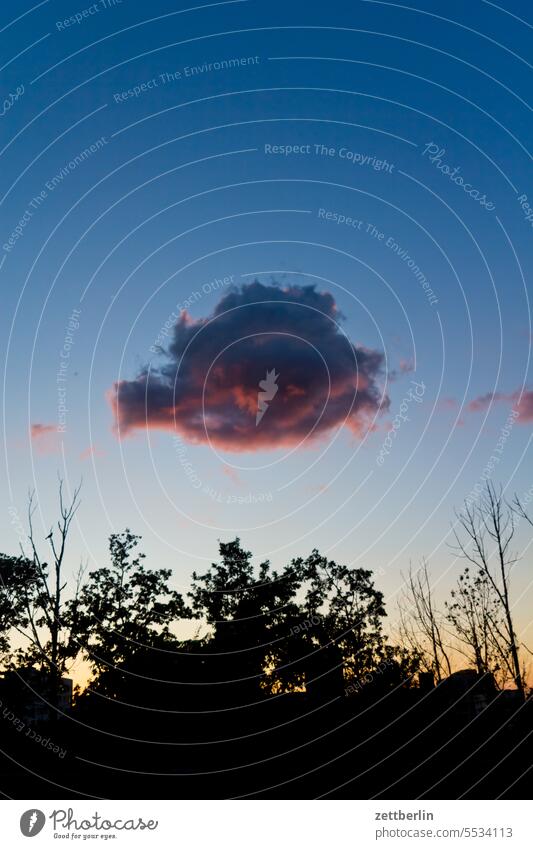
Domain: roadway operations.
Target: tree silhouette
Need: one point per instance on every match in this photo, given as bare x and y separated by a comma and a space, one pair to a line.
488, 530
474, 613
123, 609
250, 617
290, 671
347, 640
35, 591
421, 624
18, 579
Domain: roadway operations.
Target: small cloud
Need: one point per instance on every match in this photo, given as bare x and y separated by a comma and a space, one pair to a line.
39, 430
91, 451
45, 437
447, 403
483, 401
525, 407
317, 489
521, 400
405, 366
232, 474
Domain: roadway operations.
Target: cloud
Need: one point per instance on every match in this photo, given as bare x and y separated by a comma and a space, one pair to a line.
206, 386
405, 366
91, 451
45, 438
525, 407
232, 474
38, 431
448, 403
522, 400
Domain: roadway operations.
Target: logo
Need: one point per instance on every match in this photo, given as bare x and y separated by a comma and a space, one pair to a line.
32, 822
268, 389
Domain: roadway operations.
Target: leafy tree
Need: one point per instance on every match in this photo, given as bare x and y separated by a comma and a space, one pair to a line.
125, 608
249, 616
18, 579
348, 610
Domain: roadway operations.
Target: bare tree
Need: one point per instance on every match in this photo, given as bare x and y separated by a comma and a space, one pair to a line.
487, 532
51, 638
518, 508
474, 613
421, 624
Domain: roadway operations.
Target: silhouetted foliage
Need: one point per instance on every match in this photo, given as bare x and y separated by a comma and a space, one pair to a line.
349, 611
249, 615
124, 608
289, 670
18, 579
475, 615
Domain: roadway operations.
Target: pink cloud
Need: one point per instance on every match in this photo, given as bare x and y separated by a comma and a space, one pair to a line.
232, 474
407, 366
91, 451
207, 387
448, 403
521, 400
45, 438
39, 430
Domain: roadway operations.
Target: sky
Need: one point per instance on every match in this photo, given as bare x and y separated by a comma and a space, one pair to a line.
265, 271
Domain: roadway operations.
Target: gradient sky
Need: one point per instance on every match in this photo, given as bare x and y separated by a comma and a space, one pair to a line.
184, 194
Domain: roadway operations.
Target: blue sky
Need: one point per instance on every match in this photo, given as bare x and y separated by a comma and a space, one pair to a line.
183, 189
